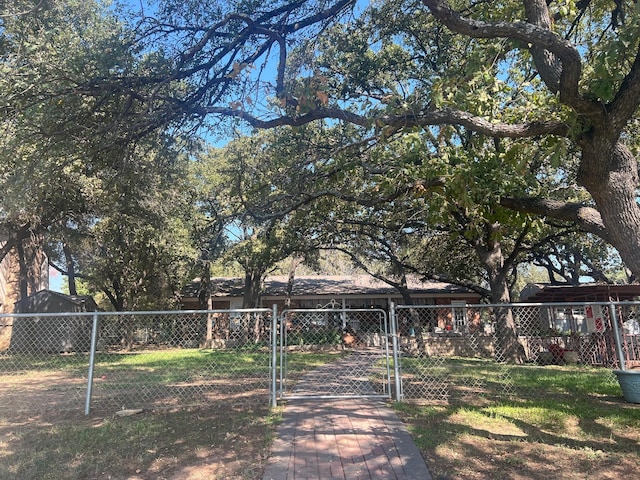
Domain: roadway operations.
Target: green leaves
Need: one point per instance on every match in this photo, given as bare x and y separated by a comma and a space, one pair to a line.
609, 58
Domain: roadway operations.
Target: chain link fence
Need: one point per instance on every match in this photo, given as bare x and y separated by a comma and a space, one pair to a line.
44, 362
140, 360
461, 352
161, 359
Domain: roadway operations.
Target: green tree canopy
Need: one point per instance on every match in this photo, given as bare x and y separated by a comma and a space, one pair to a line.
561, 73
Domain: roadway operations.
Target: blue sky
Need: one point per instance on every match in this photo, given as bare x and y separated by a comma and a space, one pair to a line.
55, 280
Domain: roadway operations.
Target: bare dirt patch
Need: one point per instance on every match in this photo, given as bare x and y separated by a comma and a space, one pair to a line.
39, 391
222, 440
44, 434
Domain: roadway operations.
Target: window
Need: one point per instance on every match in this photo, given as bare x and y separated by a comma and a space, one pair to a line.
459, 316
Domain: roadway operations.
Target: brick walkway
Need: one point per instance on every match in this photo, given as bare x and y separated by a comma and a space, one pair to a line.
349, 439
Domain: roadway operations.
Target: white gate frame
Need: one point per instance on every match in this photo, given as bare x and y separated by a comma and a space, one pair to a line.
278, 353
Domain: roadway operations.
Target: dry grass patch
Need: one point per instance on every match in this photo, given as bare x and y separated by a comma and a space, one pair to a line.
220, 441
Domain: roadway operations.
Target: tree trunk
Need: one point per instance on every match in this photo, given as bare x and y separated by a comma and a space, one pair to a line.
507, 346
252, 286
204, 290
414, 316
71, 270
295, 262
125, 325
23, 277
115, 296
613, 186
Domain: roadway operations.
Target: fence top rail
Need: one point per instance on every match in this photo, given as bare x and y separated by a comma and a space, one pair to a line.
334, 310
134, 313
519, 305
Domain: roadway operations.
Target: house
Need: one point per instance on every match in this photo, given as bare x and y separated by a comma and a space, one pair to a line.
339, 293
587, 292
49, 334
353, 291
584, 317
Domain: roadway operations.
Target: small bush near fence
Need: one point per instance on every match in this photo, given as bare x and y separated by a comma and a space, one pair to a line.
320, 338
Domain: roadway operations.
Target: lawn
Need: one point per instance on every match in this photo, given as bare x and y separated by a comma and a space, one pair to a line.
571, 423
226, 437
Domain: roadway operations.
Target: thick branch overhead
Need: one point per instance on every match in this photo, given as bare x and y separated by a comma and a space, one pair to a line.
444, 116
588, 218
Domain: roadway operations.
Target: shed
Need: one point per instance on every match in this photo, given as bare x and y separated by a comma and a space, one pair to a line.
32, 333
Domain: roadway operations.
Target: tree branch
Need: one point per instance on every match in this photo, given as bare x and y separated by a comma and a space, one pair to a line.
627, 99
587, 218
360, 264
62, 271
27, 11
305, 198
12, 237
541, 39
445, 116
483, 292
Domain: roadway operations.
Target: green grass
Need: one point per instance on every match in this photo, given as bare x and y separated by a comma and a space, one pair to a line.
166, 364
183, 365
169, 366
564, 422
523, 378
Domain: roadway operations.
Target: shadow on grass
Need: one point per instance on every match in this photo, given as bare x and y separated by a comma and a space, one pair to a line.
228, 438
561, 431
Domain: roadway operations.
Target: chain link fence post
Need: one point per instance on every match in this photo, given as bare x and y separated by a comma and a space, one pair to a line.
92, 359
393, 324
616, 336
274, 355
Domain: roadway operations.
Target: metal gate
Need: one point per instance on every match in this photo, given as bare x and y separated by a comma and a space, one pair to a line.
351, 347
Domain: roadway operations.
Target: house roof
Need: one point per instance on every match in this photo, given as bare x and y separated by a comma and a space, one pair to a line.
220, 287
318, 285
591, 292
352, 285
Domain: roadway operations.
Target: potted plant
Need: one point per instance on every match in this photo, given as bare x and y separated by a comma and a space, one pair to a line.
629, 380
571, 357
630, 383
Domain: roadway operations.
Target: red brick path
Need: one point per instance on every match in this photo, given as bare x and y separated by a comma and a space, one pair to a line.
348, 439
